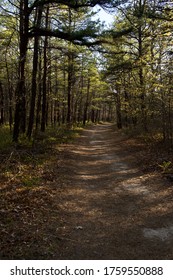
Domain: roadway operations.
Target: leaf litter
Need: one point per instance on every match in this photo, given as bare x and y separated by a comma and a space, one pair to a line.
96, 198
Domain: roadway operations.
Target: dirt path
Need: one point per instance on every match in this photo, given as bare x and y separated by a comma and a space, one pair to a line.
111, 209
89, 200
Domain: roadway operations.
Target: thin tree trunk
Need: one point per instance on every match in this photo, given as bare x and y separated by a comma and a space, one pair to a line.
118, 109
10, 95
70, 72
39, 91
20, 109
141, 72
34, 75
57, 114
69, 88
44, 100
64, 95
86, 103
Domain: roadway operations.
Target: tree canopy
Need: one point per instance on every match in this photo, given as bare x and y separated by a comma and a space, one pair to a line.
54, 53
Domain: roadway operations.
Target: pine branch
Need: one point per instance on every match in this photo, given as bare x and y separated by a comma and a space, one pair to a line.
76, 4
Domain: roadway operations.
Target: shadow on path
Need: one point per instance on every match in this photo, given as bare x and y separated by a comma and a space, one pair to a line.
111, 209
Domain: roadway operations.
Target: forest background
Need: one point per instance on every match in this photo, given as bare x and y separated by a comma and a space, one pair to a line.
59, 66
63, 68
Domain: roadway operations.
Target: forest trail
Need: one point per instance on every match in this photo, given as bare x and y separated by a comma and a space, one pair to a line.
91, 199
110, 208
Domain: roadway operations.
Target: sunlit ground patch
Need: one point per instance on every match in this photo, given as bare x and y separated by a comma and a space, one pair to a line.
164, 234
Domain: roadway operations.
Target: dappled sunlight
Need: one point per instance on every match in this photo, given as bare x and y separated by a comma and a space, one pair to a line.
163, 234
109, 198
92, 200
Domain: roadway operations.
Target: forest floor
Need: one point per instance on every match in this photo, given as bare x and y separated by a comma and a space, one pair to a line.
96, 198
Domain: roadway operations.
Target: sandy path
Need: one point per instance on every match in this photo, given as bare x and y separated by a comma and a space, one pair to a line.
110, 209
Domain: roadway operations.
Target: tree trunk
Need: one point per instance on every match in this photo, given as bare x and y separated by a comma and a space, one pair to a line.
69, 88
141, 72
44, 100
39, 90
10, 95
34, 75
118, 109
86, 103
20, 109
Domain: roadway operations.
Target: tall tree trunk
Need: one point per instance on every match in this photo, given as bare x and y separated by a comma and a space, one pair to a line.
141, 72
118, 109
10, 94
70, 71
44, 100
34, 75
64, 95
20, 109
49, 85
38, 110
69, 88
86, 103
57, 114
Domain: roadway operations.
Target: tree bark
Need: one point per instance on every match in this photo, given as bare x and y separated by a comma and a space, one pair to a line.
34, 76
20, 108
44, 99
86, 103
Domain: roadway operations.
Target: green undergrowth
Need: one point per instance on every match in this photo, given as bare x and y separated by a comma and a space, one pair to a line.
5, 137
30, 181
21, 160
52, 135
156, 154
59, 135
149, 136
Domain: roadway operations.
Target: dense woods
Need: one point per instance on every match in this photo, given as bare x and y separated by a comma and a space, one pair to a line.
108, 193
59, 65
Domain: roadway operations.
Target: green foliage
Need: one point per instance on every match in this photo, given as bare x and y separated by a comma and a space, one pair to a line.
5, 137
30, 182
56, 136
165, 166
